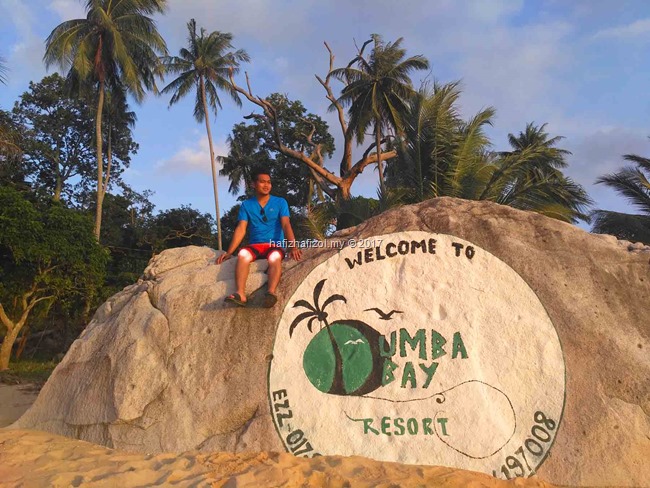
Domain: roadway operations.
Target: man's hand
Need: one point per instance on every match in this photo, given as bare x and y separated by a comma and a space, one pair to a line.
295, 253
223, 257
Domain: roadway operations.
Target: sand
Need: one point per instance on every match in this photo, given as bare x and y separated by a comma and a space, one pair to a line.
14, 401
39, 459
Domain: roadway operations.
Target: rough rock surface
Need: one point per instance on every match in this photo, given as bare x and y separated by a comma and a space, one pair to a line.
165, 366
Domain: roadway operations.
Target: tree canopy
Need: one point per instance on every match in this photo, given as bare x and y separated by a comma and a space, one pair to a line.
633, 183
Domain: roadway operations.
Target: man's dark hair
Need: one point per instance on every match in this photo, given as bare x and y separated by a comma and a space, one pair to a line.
260, 170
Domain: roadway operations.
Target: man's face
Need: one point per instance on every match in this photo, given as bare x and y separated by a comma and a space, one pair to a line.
262, 185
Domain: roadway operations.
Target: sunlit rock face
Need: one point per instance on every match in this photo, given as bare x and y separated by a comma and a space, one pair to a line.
454, 333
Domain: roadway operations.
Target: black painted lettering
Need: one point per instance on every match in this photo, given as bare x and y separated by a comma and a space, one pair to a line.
367, 254
432, 246
458, 246
378, 255
470, 252
389, 253
417, 245
352, 263
279, 394
403, 247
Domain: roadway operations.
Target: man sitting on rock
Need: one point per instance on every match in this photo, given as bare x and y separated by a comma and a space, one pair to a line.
268, 219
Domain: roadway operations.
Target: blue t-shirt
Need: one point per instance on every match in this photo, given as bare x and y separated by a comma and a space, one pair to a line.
253, 213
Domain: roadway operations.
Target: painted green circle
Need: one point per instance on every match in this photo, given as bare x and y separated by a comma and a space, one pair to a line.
319, 360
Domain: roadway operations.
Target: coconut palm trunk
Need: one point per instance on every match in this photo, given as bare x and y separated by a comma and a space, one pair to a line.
378, 142
338, 386
212, 163
100, 163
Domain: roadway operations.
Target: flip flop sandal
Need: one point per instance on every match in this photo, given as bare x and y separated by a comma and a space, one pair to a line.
270, 300
236, 299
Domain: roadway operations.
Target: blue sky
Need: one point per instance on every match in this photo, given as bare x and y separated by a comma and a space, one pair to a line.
581, 66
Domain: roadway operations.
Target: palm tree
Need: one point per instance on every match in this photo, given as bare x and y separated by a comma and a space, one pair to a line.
245, 153
117, 44
378, 90
317, 312
118, 118
206, 65
633, 183
441, 155
3, 71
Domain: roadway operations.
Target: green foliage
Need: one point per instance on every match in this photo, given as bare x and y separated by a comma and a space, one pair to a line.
633, 183
47, 254
205, 65
442, 155
12, 171
179, 227
58, 139
205, 62
379, 88
117, 43
252, 145
28, 371
51, 247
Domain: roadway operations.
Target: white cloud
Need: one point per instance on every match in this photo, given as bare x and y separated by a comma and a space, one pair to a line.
193, 158
639, 28
68, 9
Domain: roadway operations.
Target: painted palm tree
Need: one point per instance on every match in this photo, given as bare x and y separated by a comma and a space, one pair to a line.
633, 182
117, 44
378, 90
316, 312
205, 65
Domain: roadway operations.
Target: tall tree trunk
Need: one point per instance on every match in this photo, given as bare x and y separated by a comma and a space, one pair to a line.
100, 162
212, 162
12, 330
379, 163
5, 349
58, 186
109, 158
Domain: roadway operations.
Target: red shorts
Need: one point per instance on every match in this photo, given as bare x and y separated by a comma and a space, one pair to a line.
262, 250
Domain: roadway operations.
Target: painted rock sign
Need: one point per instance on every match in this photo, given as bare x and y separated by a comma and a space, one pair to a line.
420, 348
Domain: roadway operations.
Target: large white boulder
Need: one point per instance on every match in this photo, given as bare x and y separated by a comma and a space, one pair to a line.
516, 344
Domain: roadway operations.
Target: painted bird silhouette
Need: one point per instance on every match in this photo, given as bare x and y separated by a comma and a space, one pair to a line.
383, 315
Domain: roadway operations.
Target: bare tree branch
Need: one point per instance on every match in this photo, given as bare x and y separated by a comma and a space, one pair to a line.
271, 114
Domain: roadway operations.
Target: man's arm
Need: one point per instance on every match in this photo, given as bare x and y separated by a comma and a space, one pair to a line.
237, 237
294, 250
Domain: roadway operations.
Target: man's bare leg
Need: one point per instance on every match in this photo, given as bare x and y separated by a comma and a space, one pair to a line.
275, 270
244, 260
